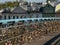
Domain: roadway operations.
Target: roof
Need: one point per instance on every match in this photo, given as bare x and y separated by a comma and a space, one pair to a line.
48, 5
33, 12
6, 10
19, 10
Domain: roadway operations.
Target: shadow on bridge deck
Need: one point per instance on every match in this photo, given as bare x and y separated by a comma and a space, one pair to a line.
52, 40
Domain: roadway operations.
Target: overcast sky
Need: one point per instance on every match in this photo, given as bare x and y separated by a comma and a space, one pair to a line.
2, 1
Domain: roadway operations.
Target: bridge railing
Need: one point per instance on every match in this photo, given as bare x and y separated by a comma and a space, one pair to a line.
4, 23
25, 19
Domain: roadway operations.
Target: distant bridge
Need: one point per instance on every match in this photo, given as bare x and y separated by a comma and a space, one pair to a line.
26, 19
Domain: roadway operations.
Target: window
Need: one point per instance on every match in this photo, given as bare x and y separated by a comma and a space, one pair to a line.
21, 16
9, 17
17, 17
0, 17
4, 17
13, 17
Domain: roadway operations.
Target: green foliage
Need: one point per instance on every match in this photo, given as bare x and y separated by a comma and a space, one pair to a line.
12, 4
9, 4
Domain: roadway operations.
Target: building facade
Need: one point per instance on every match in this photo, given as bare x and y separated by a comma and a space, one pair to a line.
18, 13
48, 11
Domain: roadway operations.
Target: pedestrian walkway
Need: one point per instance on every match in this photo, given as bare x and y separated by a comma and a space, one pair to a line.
43, 39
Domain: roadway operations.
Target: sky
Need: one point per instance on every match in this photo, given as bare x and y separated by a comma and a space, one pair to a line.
2, 1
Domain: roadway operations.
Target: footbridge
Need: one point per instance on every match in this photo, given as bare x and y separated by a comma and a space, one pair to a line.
32, 19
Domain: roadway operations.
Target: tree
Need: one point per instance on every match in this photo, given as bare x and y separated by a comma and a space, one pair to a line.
9, 4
